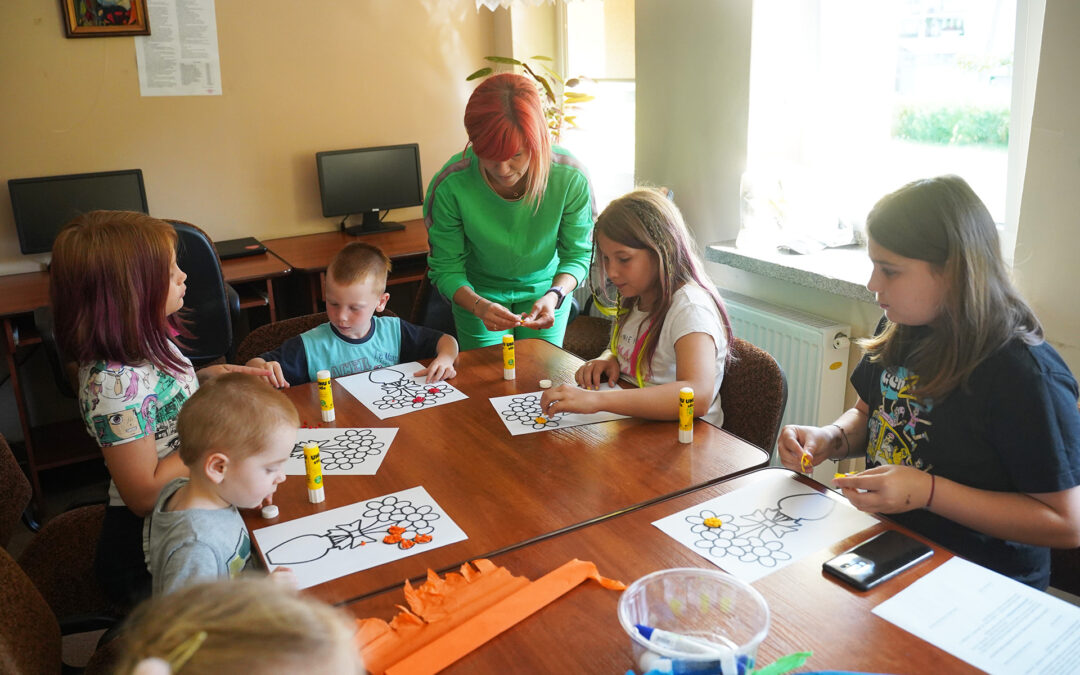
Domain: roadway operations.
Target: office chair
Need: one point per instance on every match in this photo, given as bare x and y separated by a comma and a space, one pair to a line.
753, 395
211, 306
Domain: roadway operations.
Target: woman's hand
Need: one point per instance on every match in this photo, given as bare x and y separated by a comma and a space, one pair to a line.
796, 442
567, 398
496, 317
542, 314
593, 373
887, 489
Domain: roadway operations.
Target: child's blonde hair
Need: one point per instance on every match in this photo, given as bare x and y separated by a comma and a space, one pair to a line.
647, 219
232, 413
943, 222
232, 626
360, 261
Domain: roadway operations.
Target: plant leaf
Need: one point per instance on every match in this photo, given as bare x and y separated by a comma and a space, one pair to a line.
547, 88
555, 76
505, 60
541, 58
578, 97
573, 82
483, 72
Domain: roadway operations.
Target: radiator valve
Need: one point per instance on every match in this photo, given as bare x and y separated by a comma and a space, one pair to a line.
840, 341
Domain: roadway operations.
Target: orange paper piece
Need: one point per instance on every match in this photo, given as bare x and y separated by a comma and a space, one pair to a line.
451, 617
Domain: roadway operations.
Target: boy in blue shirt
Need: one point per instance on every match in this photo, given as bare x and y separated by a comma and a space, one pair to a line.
355, 340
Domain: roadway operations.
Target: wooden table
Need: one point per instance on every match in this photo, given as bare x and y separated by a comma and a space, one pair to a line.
256, 269
311, 253
810, 611
505, 491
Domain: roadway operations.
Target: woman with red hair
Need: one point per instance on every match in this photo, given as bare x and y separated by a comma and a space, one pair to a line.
509, 220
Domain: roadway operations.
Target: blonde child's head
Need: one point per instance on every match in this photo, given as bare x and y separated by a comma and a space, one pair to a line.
943, 222
233, 413
360, 262
241, 625
109, 283
236, 435
648, 219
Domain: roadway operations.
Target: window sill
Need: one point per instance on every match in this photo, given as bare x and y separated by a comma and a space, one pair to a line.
841, 271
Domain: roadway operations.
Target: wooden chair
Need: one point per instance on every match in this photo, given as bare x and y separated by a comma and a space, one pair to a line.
30, 635
15, 493
270, 336
753, 395
59, 559
587, 336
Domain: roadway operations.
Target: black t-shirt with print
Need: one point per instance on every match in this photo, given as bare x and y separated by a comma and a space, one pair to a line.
1014, 428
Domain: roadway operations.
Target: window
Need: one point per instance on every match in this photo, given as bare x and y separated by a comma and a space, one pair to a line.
849, 100
599, 41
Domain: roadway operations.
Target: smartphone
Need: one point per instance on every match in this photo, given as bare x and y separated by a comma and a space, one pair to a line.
878, 559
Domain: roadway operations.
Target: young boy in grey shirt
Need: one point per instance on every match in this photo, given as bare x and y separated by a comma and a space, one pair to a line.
236, 433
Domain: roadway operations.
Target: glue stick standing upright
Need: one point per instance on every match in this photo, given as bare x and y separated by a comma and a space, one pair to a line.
313, 467
508, 357
326, 396
686, 415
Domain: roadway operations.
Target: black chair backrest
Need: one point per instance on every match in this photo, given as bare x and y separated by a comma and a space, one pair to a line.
206, 310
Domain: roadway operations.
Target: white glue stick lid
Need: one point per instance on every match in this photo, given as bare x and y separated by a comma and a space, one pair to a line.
322, 375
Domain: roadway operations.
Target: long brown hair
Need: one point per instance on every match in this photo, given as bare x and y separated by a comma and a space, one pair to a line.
109, 282
503, 116
943, 222
647, 219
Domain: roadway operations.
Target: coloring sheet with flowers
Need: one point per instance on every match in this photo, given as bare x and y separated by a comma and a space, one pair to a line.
762, 527
356, 537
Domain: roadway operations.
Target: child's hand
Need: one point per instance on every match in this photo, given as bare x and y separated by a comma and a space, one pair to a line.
269, 371
567, 398
285, 577
441, 368
887, 489
796, 442
592, 374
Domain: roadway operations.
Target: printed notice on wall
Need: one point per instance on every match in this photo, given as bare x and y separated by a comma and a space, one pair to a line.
180, 56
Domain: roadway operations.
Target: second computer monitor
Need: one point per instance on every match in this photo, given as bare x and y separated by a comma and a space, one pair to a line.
365, 181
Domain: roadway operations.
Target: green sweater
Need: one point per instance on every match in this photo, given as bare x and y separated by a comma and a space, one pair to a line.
478, 239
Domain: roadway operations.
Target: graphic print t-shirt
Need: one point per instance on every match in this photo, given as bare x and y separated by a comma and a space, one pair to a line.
1014, 428
121, 403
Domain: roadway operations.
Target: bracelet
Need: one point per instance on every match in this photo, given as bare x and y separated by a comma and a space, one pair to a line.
930, 500
475, 303
847, 444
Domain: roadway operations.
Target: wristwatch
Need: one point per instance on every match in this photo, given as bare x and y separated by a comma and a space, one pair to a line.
557, 290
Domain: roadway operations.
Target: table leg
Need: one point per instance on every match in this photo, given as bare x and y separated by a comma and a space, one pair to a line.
24, 417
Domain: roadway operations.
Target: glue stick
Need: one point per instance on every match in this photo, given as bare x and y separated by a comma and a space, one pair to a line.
326, 396
313, 467
686, 415
508, 357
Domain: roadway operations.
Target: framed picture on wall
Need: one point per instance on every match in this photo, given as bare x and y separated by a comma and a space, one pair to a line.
104, 18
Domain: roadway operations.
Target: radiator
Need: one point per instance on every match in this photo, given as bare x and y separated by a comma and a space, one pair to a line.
812, 350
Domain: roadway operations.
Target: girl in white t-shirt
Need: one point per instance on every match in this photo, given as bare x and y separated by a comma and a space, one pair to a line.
671, 329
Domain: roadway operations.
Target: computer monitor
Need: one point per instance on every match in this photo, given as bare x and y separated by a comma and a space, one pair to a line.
42, 206
367, 181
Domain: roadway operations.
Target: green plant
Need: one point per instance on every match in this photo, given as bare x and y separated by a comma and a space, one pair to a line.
557, 96
952, 125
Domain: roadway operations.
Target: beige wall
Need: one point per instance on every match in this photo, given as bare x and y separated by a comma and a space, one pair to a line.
341, 74
1048, 236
